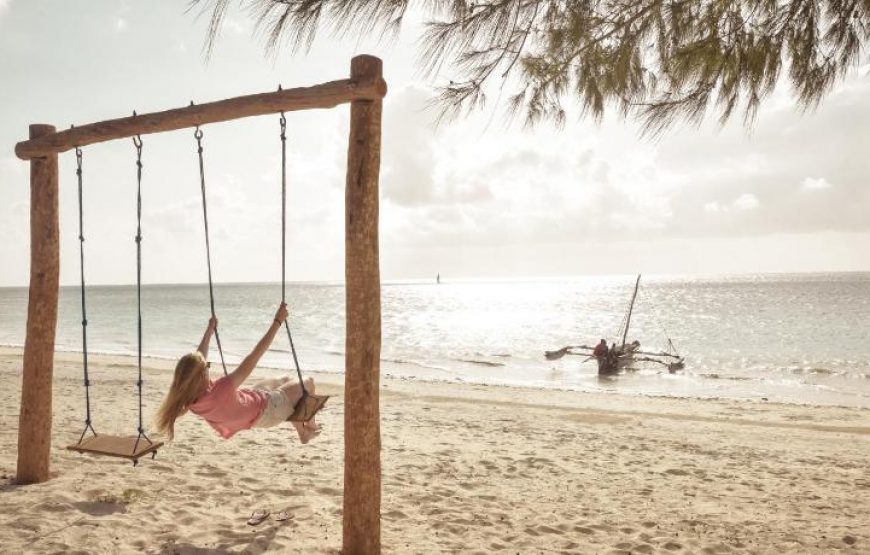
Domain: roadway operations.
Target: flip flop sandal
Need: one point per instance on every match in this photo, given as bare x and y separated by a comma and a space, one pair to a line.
282, 516
257, 517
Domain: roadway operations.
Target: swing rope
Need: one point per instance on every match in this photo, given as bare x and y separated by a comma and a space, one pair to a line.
126, 447
88, 425
137, 142
283, 122
198, 135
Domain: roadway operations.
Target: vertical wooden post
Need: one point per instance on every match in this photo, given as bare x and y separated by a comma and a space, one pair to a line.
34, 423
362, 434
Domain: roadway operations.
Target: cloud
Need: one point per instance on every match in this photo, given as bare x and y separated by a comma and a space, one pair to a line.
746, 201
408, 149
460, 185
812, 183
788, 156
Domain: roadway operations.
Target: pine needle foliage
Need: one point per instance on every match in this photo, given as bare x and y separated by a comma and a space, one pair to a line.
660, 61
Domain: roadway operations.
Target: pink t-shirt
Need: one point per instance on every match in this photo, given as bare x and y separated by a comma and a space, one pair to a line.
227, 409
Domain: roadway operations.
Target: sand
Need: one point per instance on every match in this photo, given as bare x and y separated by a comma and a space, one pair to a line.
467, 469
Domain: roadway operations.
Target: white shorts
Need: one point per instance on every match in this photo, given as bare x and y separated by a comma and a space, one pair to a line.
278, 409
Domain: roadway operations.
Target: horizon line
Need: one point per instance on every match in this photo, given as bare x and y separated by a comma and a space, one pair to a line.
467, 279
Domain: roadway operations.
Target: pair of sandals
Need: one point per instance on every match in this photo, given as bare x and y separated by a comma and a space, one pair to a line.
258, 517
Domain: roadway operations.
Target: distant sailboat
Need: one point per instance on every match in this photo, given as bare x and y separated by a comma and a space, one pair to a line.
438, 278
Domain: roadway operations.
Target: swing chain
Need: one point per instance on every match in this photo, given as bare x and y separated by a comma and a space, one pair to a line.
137, 142
283, 122
198, 134
87, 381
81, 248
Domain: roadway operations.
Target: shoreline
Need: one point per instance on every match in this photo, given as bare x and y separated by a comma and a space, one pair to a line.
15, 350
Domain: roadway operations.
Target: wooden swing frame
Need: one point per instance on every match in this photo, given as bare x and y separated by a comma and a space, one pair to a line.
364, 91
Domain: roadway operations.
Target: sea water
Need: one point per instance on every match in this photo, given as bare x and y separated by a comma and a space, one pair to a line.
801, 338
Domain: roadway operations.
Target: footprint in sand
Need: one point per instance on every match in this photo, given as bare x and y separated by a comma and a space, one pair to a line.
328, 491
601, 527
287, 492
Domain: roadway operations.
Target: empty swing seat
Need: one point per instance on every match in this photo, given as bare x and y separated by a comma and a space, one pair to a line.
117, 446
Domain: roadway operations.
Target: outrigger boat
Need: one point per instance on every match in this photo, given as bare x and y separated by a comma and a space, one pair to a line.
624, 355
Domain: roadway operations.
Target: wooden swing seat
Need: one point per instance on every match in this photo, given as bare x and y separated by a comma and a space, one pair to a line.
307, 407
117, 446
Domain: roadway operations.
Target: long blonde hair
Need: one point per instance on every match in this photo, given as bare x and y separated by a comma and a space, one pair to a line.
191, 377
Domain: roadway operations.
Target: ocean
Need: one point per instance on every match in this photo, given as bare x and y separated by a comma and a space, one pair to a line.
798, 338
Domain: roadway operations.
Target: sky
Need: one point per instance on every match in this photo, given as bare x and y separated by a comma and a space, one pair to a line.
478, 197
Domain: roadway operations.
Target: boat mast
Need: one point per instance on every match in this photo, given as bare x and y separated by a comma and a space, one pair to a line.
630, 308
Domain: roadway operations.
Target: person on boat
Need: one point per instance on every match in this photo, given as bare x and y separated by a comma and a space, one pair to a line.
223, 403
610, 364
601, 354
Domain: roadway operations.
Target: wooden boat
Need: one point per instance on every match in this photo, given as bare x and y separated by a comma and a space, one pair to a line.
624, 355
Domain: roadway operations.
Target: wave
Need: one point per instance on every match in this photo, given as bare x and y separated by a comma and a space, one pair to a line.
396, 360
419, 364
496, 355
715, 376
480, 362
819, 371
813, 370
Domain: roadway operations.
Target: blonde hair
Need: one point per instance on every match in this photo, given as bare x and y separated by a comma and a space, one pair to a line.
191, 376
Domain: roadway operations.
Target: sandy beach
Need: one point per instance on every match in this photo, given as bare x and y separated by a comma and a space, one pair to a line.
467, 469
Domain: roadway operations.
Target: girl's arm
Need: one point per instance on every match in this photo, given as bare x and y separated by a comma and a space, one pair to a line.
240, 374
206, 337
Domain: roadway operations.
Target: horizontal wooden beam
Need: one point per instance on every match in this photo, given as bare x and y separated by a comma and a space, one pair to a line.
325, 95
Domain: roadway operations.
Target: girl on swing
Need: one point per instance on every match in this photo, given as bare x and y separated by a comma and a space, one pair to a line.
223, 403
